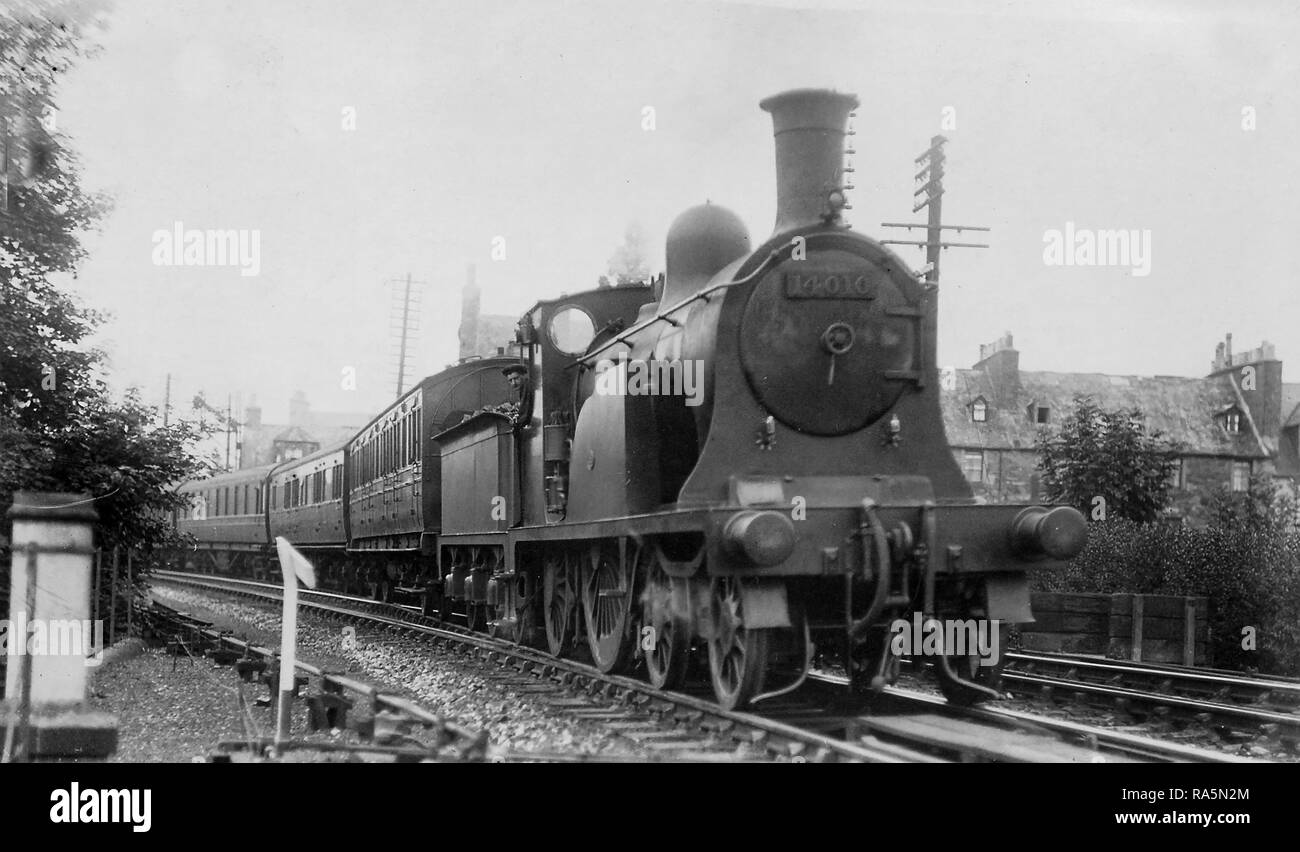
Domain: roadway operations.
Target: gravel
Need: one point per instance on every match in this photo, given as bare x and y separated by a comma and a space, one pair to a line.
427, 673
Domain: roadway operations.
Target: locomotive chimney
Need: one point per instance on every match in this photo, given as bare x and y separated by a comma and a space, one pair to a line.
809, 127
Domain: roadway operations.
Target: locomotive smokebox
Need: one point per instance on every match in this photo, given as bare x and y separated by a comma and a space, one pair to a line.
809, 126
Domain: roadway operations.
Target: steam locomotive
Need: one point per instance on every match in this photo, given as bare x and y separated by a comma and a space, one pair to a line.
744, 461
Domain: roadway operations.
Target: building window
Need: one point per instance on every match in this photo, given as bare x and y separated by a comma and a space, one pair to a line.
972, 465
979, 411
1232, 422
1042, 414
1241, 476
1177, 475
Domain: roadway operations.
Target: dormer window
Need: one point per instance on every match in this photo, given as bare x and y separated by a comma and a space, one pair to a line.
1042, 414
1229, 419
979, 410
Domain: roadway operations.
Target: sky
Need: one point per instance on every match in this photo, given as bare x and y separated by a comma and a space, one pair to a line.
522, 126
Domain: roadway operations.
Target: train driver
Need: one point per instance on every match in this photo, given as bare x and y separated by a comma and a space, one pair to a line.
517, 375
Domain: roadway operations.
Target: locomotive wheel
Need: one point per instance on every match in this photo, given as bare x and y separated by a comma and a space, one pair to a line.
670, 636
559, 601
737, 654
607, 606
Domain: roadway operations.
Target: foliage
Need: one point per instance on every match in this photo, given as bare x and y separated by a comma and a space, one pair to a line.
1247, 562
629, 264
60, 428
1108, 454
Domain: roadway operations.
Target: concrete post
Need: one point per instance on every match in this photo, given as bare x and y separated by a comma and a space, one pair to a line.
51, 635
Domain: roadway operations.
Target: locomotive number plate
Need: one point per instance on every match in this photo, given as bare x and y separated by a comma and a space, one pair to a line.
824, 284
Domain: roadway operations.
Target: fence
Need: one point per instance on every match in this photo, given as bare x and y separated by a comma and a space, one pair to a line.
1154, 628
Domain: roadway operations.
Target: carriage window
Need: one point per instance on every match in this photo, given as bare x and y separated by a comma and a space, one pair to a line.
571, 330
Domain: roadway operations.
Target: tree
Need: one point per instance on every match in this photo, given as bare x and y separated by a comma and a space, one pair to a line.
60, 428
1108, 455
629, 264
1264, 506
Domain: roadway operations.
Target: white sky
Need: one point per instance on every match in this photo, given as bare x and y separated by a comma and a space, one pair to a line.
524, 120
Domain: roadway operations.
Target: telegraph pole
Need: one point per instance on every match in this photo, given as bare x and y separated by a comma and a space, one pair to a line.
167, 400
406, 326
932, 173
406, 316
228, 429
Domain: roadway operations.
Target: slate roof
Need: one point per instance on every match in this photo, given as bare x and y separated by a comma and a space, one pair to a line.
1182, 408
295, 434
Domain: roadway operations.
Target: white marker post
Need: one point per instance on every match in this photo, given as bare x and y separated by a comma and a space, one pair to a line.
293, 565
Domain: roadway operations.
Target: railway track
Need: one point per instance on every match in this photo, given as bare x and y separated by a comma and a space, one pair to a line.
1232, 704
820, 723
389, 729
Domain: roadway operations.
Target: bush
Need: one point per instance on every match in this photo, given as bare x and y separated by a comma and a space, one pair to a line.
1247, 564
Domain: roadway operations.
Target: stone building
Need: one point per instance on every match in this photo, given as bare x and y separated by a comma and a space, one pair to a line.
1239, 420
305, 433
482, 335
